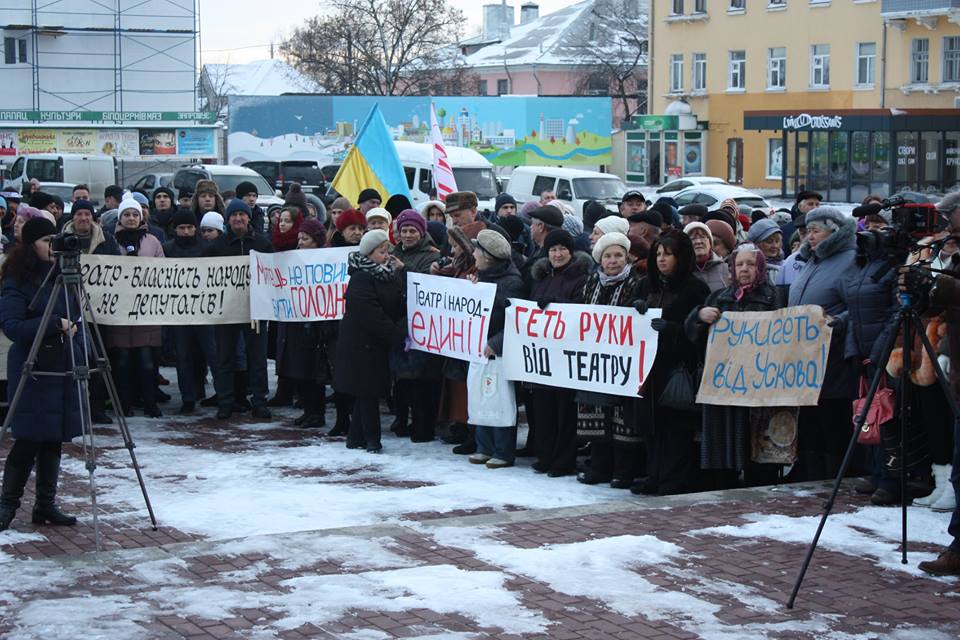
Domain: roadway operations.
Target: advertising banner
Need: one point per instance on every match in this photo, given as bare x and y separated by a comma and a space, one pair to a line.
449, 316
77, 141
37, 141
158, 142
118, 142
196, 142
8, 142
299, 286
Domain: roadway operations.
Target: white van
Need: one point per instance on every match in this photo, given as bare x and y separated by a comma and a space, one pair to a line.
471, 170
97, 172
573, 186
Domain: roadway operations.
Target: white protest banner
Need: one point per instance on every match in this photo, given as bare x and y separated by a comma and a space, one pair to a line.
766, 358
578, 346
299, 286
132, 290
449, 316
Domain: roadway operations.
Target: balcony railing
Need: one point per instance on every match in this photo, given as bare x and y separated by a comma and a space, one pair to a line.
908, 8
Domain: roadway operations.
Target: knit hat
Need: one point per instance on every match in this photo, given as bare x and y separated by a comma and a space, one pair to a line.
828, 215
12, 195
206, 186
142, 199
502, 199
460, 200
613, 224
27, 212
41, 200
592, 211
650, 217
349, 218
438, 232
184, 193
166, 190
246, 187
341, 203
212, 220
3, 203
371, 240
558, 237
722, 232
368, 194
608, 240
806, 195
183, 216
513, 226
315, 229
493, 244
237, 206
762, 229
572, 225
130, 203
693, 210
36, 228
690, 228
397, 204
548, 215
296, 198
85, 205
379, 212
410, 217
663, 207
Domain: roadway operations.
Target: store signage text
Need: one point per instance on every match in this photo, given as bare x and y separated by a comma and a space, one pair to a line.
106, 116
807, 121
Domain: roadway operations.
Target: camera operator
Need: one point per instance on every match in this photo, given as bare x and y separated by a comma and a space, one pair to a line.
48, 412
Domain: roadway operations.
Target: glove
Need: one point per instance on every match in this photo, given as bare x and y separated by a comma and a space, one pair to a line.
834, 322
506, 303
658, 324
545, 300
944, 362
641, 306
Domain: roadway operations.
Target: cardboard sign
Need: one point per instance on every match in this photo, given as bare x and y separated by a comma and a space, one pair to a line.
449, 316
578, 346
766, 358
299, 286
151, 291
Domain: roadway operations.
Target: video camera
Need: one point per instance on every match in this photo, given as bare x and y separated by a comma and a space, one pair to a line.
65, 243
912, 218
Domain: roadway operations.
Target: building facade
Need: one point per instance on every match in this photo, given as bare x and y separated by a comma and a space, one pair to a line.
845, 96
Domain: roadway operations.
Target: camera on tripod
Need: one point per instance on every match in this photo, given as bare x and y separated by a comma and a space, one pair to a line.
912, 218
67, 247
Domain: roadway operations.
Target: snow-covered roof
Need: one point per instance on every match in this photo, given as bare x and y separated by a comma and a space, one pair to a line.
258, 78
558, 38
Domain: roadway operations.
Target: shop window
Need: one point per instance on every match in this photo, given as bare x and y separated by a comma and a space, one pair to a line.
951, 165
820, 65
880, 165
699, 72
906, 154
951, 59
866, 63
737, 70
919, 60
839, 161
928, 161
735, 160
776, 68
774, 164
676, 73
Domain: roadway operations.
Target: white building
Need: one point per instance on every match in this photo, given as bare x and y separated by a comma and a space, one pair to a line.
85, 55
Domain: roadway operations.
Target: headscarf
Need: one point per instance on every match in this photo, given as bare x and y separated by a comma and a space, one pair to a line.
761, 276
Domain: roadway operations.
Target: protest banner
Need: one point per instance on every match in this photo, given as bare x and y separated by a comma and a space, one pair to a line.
132, 290
449, 316
766, 358
299, 286
578, 346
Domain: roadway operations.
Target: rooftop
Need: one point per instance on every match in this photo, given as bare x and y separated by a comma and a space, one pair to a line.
258, 78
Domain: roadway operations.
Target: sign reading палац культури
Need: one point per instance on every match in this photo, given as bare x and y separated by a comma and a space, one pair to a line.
578, 346
305, 285
766, 358
151, 291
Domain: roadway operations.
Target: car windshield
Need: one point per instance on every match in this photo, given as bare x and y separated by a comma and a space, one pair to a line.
598, 188
481, 181
756, 203
64, 191
304, 173
229, 182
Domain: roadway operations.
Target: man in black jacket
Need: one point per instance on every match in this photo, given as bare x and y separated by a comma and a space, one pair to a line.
239, 240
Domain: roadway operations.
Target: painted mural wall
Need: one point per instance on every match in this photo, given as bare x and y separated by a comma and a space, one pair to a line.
507, 130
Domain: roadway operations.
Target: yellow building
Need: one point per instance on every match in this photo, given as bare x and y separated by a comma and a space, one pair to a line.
847, 97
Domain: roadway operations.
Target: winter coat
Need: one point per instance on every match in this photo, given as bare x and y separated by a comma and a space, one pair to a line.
419, 257
230, 244
374, 322
725, 442
101, 244
870, 306
504, 274
714, 273
178, 247
820, 282
560, 285
49, 408
302, 350
134, 336
946, 295
416, 365
526, 271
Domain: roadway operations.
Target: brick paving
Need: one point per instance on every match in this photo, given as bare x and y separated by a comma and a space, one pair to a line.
310, 584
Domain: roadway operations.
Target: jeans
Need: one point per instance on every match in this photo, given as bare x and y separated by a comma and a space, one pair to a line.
497, 442
227, 337
954, 529
193, 343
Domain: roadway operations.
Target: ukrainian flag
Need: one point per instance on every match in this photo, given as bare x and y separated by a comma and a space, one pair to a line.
372, 163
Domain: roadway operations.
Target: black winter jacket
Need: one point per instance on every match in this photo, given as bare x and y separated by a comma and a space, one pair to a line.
230, 244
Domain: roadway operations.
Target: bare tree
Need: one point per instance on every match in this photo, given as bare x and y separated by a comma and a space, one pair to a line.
379, 47
215, 87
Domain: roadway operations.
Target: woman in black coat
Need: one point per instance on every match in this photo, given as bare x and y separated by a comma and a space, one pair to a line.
48, 412
725, 444
670, 286
374, 322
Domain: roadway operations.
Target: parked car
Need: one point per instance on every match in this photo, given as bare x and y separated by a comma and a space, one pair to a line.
97, 172
151, 181
683, 183
573, 186
711, 196
283, 173
227, 177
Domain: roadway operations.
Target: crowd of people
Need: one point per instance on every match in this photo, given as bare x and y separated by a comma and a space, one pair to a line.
691, 263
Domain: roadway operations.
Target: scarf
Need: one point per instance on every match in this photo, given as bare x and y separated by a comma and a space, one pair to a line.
760, 279
130, 238
606, 281
286, 240
356, 261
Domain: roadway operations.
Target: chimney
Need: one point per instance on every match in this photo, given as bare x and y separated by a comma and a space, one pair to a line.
497, 20
529, 11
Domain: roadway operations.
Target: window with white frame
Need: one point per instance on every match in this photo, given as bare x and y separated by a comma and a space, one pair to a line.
738, 5
678, 7
951, 59
919, 60
699, 6
14, 50
820, 65
737, 70
866, 63
776, 68
776, 3
676, 73
699, 72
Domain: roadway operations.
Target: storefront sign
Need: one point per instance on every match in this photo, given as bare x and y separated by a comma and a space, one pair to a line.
196, 142
8, 143
807, 121
118, 142
158, 142
656, 123
8, 115
77, 140
37, 140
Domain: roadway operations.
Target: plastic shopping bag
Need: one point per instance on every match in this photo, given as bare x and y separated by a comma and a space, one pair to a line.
491, 400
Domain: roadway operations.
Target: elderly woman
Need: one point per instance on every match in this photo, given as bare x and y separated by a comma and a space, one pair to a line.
557, 278
725, 444
829, 255
133, 345
374, 322
496, 446
708, 266
48, 412
608, 224
614, 444
434, 211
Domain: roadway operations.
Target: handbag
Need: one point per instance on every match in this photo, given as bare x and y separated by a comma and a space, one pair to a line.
679, 393
491, 400
881, 410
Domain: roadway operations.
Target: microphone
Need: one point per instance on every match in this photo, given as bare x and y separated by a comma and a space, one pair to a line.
865, 210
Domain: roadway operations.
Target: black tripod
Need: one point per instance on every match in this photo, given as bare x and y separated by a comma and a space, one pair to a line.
69, 284
906, 321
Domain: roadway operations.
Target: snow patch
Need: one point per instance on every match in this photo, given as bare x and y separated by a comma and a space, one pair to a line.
90, 617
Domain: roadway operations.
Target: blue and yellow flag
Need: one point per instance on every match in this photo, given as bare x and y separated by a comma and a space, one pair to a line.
372, 163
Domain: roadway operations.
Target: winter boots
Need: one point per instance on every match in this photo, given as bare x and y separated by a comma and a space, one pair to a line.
15, 477
16, 472
45, 510
943, 497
